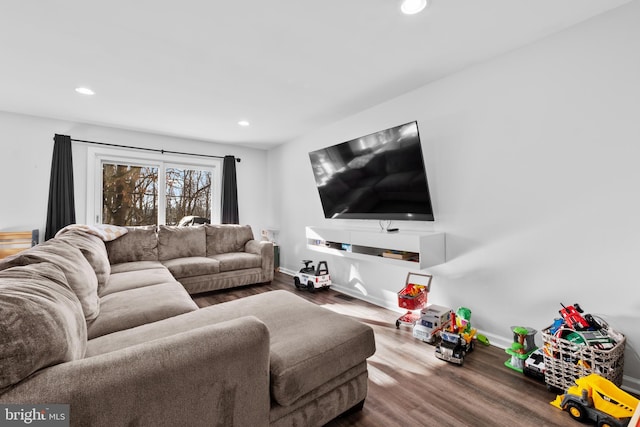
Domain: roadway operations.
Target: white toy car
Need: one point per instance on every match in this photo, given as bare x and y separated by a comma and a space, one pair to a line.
312, 278
433, 319
534, 365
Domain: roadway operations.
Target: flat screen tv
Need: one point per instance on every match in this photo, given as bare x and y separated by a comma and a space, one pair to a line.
378, 176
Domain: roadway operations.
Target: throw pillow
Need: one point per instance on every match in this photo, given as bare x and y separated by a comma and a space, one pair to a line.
106, 232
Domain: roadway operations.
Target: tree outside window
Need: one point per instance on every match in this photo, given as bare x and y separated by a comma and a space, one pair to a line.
188, 193
130, 194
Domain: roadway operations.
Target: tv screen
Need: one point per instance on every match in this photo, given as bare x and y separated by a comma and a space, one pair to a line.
377, 176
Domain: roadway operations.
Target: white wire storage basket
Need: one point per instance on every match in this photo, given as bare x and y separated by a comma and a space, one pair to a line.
565, 361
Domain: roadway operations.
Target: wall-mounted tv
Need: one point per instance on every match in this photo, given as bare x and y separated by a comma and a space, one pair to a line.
378, 176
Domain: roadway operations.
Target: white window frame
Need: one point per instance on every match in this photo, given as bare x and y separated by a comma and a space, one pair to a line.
96, 156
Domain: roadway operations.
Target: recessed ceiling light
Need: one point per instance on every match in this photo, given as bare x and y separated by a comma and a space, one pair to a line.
85, 91
411, 7
243, 123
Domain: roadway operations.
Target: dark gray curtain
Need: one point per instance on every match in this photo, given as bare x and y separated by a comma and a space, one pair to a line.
229, 191
61, 210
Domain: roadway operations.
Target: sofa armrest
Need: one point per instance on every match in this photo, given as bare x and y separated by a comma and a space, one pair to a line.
265, 250
212, 375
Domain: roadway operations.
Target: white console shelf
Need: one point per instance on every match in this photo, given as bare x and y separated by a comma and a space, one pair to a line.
419, 250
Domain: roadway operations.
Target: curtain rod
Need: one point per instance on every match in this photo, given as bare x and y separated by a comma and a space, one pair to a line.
156, 150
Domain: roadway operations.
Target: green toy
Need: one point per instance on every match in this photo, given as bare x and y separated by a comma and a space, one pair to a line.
463, 322
523, 345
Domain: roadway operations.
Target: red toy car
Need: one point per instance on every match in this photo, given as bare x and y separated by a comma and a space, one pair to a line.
573, 318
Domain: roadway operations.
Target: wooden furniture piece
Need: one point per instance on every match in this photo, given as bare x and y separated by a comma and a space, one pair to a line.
12, 242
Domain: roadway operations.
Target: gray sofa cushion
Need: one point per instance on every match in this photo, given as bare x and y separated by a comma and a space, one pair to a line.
181, 242
224, 238
135, 266
192, 266
42, 321
164, 328
93, 249
126, 280
135, 307
238, 261
139, 244
78, 272
223, 280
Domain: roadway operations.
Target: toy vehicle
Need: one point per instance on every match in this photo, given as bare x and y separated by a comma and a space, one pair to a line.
534, 365
312, 278
573, 318
433, 319
453, 347
458, 339
598, 399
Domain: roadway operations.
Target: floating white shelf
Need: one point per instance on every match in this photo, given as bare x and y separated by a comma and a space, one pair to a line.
419, 250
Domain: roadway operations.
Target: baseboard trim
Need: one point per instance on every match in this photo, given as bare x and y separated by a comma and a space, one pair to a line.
631, 385
286, 271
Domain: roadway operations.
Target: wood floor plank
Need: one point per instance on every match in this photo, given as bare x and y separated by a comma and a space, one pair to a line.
409, 386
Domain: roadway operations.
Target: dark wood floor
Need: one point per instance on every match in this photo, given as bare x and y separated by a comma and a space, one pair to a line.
409, 386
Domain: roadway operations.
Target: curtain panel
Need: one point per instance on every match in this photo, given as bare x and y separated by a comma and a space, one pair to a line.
229, 192
61, 209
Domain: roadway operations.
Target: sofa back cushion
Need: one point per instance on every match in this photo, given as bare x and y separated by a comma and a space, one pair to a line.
41, 321
139, 244
78, 272
225, 238
181, 242
93, 249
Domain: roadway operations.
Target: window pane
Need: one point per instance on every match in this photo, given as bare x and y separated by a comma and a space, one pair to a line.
188, 194
129, 194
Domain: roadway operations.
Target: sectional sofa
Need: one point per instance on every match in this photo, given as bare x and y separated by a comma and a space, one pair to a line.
202, 258
110, 329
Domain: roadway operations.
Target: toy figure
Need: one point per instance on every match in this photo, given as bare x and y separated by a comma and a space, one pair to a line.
523, 345
463, 320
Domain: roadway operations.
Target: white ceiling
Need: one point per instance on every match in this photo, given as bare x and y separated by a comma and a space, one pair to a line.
193, 68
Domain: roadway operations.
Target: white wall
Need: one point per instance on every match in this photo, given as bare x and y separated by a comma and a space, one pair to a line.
25, 166
532, 160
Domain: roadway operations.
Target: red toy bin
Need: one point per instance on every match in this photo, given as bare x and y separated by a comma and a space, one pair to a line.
412, 302
413, 297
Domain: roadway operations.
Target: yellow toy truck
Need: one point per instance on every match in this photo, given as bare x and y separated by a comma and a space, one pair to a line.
598, 399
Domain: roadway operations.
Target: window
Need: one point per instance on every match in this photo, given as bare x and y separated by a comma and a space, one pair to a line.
188, 193
129, 194
162, 189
